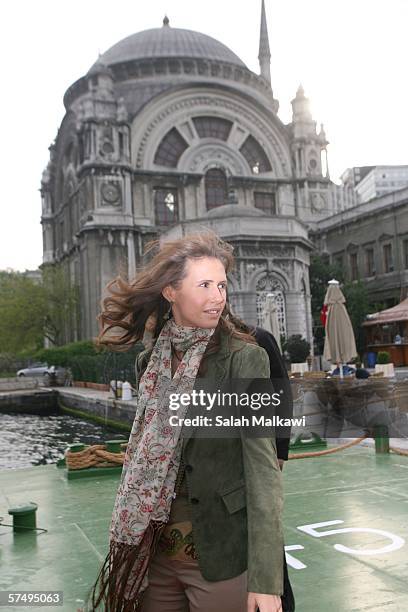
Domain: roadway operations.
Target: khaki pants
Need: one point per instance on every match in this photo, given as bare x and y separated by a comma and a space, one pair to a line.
178, 586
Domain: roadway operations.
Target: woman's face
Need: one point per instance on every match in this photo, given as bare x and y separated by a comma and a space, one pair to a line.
200, 298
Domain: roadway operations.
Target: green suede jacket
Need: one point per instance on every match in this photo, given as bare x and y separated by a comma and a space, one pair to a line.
235, 486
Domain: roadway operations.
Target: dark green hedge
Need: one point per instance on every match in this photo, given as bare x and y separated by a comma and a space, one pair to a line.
61, 355
105, 366
89, 363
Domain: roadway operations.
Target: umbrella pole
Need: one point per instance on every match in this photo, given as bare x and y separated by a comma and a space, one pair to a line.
341, 370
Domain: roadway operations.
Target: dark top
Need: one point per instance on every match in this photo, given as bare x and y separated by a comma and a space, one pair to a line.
362, 373
347, 371
281, 384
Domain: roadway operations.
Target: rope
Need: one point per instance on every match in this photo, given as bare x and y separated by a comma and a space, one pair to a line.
93, 456
22, 527
96, 456
329, 450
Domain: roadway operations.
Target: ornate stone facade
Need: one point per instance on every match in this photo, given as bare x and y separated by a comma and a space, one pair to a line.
370, 242
170, 132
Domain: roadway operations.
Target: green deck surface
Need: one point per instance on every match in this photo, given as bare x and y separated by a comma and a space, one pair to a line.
355, 486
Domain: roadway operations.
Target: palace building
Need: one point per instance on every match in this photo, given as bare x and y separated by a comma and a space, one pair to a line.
170, 132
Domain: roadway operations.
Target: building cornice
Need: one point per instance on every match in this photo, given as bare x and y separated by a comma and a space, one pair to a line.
139, 70
383, 205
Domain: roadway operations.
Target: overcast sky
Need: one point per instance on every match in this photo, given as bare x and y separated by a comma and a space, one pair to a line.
350, 55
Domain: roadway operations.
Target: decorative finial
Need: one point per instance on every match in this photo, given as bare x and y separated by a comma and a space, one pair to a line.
166, 21
264, 55
300, 92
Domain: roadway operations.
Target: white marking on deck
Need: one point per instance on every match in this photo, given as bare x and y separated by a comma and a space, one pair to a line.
96, 551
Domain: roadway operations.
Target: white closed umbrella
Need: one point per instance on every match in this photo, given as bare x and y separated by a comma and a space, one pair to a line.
339, 343
270, 320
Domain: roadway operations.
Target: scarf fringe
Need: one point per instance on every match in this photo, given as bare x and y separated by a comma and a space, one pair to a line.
119, 582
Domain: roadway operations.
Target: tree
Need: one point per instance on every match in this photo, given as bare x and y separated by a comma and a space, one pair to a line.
31, 311
62, 298
358, 306
22, 307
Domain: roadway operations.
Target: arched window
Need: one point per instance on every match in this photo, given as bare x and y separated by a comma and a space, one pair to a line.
170, 149
165, 206
212, 127
269, 284
216, 191
255, 156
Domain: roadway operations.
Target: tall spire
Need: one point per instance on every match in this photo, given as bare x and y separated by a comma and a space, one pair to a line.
264, 50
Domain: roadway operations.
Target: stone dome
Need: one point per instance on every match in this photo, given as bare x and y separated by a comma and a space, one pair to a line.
168, 42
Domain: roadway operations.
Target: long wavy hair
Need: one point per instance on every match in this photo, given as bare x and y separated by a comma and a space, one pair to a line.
127, 306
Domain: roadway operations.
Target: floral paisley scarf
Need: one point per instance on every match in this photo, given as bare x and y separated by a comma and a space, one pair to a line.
151, 462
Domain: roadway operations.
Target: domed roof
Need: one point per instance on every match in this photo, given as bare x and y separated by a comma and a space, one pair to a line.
169, 42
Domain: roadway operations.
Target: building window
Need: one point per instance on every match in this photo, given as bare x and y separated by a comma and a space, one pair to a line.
405, 254
369, 262
212, 127
215, 188
165, 206
338, 261
170, 149
265, 201
353, 266
387, 256
255, 156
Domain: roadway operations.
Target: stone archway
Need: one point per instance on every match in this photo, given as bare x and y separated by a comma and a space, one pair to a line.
267, 284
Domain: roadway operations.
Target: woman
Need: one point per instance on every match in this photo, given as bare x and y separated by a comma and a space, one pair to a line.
197, 522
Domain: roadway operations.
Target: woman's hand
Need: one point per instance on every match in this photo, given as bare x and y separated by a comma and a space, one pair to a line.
264, 602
